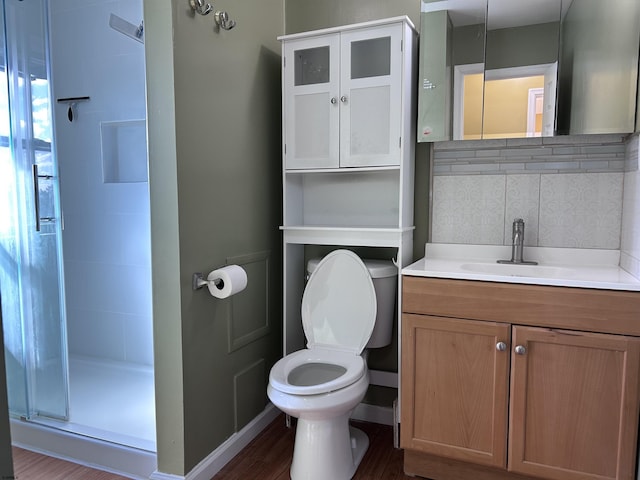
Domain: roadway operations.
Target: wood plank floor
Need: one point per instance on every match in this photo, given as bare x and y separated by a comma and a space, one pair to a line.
268, 456
34, 466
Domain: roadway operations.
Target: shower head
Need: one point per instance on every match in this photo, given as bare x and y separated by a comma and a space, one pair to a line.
127, 28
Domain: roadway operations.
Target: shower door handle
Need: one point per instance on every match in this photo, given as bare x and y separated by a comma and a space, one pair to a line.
36, 196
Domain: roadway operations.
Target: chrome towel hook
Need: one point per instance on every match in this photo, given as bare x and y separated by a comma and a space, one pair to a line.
220, 16
200, 7
223, 21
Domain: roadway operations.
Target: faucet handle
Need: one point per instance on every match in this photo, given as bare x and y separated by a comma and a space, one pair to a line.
518, 225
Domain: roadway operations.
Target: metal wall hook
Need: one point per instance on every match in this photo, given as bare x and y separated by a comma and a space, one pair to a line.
200, 7
223, 21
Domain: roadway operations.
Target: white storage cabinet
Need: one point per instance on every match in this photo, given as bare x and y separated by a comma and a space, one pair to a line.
348, 147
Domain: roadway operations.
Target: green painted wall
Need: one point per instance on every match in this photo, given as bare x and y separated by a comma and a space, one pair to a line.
167, 331
528, 45
215, 181
638, 105
303, 15
598, 67
468, 44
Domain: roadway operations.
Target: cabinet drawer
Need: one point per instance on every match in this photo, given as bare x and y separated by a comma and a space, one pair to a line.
607, 311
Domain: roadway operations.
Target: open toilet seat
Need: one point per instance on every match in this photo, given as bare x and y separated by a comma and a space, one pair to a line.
338, 315
316, 370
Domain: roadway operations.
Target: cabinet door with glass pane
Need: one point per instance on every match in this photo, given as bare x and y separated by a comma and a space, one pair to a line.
311, 103
371, 96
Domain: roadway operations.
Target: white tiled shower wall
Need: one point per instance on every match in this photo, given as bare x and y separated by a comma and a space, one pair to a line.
106, 238
575, 191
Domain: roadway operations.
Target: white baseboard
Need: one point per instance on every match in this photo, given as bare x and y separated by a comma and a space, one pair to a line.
216, 460
165, 476
373, 414
383, 378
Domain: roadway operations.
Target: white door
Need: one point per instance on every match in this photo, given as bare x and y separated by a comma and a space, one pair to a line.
370, 97
311, 102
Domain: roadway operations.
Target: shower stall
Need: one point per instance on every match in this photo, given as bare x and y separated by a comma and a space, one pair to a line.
75, 262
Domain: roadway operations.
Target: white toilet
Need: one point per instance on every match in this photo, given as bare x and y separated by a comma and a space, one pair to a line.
322, 384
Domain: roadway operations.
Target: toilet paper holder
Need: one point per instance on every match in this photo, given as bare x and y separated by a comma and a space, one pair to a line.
199, 281
222, 282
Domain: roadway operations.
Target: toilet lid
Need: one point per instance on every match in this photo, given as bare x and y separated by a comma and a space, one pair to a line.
339, 304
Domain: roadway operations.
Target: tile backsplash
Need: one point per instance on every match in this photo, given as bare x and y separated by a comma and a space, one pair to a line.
569, 191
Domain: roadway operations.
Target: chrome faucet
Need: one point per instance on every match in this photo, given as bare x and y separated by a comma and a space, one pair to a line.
517, 244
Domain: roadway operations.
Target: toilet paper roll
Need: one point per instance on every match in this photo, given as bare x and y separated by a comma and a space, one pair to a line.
227, 281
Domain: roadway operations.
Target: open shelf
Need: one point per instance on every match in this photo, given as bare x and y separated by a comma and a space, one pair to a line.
348, 236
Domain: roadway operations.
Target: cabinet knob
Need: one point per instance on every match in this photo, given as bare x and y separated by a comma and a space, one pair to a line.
520, 350
334, 100
343, 99
501, 346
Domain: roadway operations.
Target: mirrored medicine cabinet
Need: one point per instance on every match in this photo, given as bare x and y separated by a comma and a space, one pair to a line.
514, 69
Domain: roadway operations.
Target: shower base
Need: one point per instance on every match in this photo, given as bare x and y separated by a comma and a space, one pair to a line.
111, 419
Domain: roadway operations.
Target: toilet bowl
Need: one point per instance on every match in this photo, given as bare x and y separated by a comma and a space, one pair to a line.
322, 384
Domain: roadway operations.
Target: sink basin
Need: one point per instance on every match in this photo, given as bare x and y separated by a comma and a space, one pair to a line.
516, 270
568, 267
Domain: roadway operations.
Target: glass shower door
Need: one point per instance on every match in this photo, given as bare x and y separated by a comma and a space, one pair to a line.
30, 228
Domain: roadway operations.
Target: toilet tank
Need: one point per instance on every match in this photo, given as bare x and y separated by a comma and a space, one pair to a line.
384, 275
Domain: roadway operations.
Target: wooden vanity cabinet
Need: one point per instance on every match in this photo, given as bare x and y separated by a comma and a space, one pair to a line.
485, 396
574, 404
455, 388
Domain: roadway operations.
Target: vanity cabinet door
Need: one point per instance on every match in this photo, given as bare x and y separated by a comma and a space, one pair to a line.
454, 388
574, 404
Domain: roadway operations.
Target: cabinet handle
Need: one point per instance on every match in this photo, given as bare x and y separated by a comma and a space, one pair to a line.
520, 350
343, 99
334, 100
501, 346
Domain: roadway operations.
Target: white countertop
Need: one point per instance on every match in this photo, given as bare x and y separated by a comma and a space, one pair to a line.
568, 267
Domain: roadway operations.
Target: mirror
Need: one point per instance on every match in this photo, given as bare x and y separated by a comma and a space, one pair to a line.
549, 67
521, 65
452, 50
598, 76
